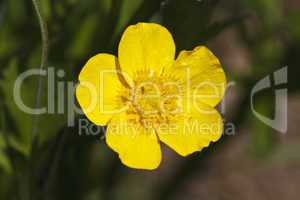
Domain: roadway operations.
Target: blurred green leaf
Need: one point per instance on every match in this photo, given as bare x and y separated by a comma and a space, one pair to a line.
293, 24
5, 163
17, 13
82, 39
188, 20
128, 8
4, 160
46, 9
2, 141
48, 124
145, 11
8, 43
21, 120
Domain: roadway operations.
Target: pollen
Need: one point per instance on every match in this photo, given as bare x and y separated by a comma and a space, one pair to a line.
155, 98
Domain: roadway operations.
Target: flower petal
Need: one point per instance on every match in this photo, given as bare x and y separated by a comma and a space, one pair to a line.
146, 46
192, 132
98, 89
137, 146
203, 74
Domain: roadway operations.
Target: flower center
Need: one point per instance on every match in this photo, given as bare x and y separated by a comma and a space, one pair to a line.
154, 98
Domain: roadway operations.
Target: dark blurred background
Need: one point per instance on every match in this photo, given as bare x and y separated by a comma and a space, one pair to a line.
252, 39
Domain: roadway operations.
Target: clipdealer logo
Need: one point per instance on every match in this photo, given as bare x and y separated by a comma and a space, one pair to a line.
279, 122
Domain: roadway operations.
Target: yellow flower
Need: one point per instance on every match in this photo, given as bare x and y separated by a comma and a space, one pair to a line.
145, 96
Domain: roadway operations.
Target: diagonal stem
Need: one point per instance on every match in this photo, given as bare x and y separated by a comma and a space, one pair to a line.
44, 60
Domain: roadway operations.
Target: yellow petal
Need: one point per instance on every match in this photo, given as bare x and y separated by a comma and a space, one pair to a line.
193, 131
146, 46
137, 147
202, 73
98, 89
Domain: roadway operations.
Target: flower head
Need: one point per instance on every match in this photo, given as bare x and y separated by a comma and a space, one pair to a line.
146, 96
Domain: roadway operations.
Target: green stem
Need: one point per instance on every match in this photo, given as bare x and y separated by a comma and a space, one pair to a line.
44, 60
35, 118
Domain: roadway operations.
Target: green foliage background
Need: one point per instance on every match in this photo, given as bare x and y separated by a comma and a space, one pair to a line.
60, 164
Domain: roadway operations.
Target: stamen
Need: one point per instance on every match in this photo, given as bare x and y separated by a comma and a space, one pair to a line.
146, 101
